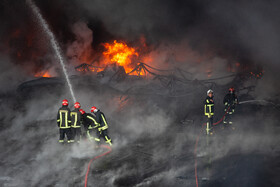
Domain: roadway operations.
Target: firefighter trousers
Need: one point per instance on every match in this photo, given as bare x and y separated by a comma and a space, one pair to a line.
209, 124
62, 133
76, 134
104, 135
228, 117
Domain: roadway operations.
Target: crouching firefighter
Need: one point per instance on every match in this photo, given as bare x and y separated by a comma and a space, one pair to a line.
103, 126
90, 125
76, 123
230, 102
209, 111
64, 122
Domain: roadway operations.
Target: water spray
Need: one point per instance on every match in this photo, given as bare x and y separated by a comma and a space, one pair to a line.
53, 41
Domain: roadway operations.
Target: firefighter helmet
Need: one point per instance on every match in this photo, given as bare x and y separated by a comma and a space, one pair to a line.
93, 109
231, 90
77, 105
82, 111
65, 102
209, 91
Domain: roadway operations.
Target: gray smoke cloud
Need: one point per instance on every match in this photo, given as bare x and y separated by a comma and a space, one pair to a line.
11, 75
82, 45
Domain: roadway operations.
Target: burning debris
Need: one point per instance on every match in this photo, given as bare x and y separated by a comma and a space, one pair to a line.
42, 74
87, 68
121, 54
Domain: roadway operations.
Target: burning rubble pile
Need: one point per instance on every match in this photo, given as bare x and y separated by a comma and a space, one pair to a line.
120, 60
133, 58
174, 67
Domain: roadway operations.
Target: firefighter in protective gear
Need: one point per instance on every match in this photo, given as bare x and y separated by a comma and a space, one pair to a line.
83, 122
90, 124
64, 122
230, 102
209, 111
76, 123
103, 126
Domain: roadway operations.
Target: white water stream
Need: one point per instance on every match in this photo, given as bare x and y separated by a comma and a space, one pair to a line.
53, 42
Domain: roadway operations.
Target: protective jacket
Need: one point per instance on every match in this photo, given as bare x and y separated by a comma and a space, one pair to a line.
100, 119
209, 106
64, 118
83, 120
91, 121
230, 100
76, 118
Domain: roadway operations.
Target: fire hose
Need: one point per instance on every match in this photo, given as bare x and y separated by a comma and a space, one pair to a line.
109, 149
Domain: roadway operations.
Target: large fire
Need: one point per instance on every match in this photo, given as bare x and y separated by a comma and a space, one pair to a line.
116, 53
120, 53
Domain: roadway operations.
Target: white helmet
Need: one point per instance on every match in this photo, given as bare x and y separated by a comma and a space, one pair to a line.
209, 91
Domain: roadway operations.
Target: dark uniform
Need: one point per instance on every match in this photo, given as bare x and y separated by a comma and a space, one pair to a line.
103, 127
90, 125
64, 123
230, 101
76, 125
83, 125
209, 112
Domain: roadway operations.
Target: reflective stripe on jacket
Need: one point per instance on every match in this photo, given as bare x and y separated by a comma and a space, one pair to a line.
101, 119
75, 118
92, 122
63, 117
209, 106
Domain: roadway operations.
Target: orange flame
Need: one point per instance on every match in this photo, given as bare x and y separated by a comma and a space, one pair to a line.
121, 54
42, 74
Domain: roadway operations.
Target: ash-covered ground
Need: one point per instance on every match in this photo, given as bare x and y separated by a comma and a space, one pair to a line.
154, 137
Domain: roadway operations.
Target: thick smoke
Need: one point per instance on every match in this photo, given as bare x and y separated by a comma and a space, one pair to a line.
233, 30
11, 75
81, 47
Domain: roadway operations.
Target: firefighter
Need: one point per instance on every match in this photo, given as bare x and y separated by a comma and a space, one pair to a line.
103, 126
76, 123
64, 122
209, 111
83, 122
90, 125
230, 102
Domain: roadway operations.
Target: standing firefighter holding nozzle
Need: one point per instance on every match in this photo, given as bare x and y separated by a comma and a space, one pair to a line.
230, 102
76, 123
64, 122
209, 111
103, 126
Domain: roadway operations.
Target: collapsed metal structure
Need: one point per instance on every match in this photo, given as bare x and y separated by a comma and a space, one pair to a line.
175, 82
